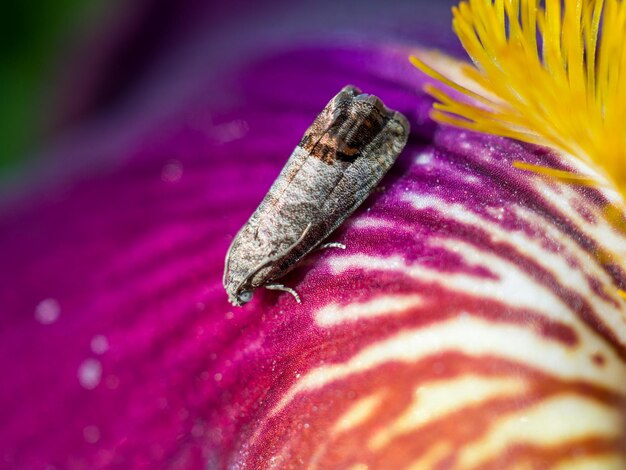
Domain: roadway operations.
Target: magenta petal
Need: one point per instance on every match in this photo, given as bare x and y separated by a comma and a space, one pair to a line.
118, 347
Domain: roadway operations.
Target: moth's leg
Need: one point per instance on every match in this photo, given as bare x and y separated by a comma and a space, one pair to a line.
284, 289
341, 246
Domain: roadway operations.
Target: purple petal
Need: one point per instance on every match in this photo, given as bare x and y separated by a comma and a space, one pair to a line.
467, 285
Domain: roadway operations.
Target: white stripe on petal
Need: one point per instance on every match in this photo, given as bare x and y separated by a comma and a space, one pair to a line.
511, 342
436, 399
544, 425
334, 314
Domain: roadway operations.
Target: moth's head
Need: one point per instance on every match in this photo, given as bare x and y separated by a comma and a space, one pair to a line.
238, 288
241, 296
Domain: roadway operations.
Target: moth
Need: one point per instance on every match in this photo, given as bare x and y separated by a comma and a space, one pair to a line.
339, 161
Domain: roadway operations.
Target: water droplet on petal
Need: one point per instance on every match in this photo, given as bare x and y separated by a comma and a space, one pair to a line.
99, 344
90, 373
172, 171
47, 311
424, 158
230, 131
91, 434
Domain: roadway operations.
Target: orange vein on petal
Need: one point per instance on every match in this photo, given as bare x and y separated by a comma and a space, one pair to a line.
566, 91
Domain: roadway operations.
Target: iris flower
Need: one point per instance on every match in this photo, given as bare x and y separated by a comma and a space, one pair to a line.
474, 321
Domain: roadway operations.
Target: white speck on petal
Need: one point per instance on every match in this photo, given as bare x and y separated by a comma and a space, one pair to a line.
99, 344
172, 171
423, 158
230, 131
47, 311
90, 373
217, 377
91, 434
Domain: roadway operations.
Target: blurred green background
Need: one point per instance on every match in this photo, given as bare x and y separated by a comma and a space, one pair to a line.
33, 38
67, 64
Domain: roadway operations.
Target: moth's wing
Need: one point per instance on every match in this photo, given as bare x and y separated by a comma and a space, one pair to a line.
341, 158
342, 187
265, 236
364, 174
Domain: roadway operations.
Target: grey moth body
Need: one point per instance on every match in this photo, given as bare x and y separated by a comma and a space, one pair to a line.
341, 158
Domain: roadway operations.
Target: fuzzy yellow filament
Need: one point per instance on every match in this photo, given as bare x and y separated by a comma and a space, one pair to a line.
547, 72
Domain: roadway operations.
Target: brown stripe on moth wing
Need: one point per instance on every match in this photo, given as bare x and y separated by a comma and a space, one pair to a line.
343, 100
336, 111
313, 135
328, 144
323, 152
327, 152
358, 195
349, 134
337, 115
375, 118
368, 147
365, 124
307, 145
373, 148
317, 129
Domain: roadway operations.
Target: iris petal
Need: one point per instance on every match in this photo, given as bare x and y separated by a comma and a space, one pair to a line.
467, 324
